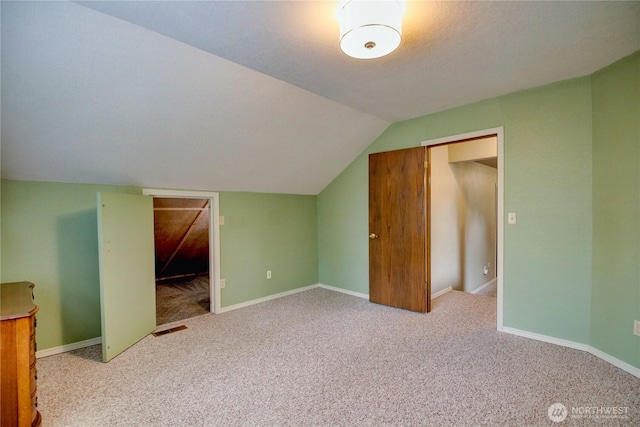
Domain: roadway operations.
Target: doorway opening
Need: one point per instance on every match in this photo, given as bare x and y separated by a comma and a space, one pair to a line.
462, 200
189, 263
181, 240
473, 211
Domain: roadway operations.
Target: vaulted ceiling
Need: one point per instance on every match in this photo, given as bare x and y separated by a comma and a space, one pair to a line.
257, 96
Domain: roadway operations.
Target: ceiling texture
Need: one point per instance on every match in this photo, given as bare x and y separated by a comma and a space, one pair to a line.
256, 95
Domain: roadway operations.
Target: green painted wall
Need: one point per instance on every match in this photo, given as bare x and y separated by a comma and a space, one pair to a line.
616, 209
0, 231
267, 232
49, 237
547, 268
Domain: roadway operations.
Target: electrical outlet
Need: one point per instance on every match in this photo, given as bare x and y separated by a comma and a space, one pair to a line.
636, 327
223, 283
268, 274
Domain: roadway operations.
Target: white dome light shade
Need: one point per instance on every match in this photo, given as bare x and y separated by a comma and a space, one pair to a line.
370, 29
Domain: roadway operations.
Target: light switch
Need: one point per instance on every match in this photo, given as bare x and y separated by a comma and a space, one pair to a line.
221, 220
511, 218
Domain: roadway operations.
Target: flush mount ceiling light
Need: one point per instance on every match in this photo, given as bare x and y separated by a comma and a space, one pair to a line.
369, 28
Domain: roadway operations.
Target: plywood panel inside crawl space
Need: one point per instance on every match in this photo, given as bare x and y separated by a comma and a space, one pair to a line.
181, 237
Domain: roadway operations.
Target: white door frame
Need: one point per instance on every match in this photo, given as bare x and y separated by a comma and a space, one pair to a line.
214, 235
499, 131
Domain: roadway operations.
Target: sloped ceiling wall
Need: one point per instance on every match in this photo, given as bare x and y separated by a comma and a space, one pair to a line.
256, 95
89, 98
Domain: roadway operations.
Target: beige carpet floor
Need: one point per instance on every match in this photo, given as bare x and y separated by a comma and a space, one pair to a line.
324, 358
489, 291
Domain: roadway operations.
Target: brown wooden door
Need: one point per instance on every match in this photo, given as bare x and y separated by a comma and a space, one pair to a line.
398, 227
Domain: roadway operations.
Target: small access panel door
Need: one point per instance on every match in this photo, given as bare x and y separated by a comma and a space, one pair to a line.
397, 229
127, 270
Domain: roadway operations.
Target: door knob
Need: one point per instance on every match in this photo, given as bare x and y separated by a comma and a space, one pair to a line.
373, 236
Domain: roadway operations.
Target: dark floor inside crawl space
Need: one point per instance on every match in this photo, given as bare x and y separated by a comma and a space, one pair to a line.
182, 299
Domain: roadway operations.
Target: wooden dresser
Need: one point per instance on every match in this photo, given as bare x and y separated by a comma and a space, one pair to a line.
18, 355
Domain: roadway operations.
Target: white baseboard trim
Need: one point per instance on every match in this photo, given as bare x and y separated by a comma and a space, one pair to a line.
546, 338
344, 291
615, 362
575, 345
68, 347
265, 299
482, 287
442, 292
366, 296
